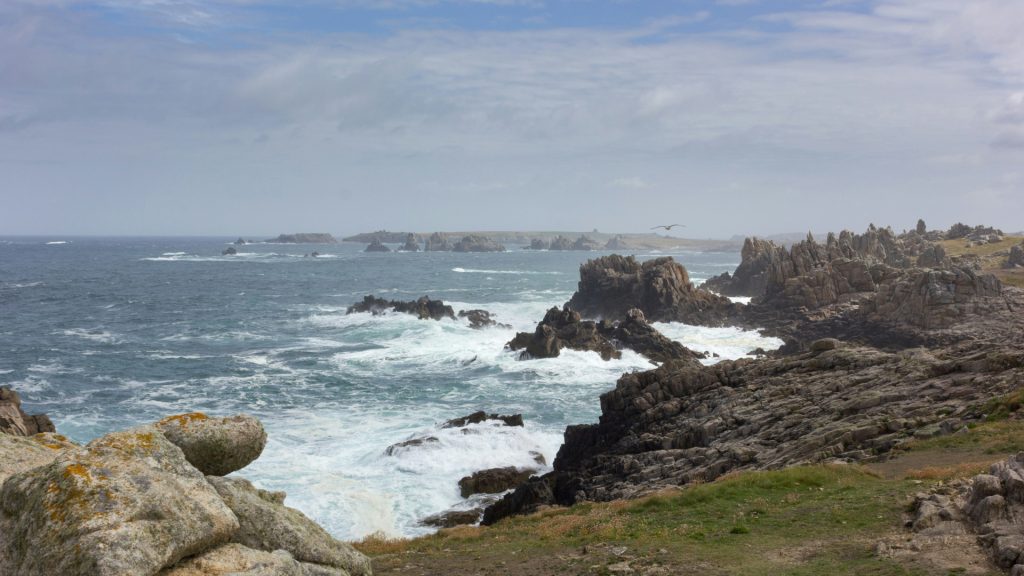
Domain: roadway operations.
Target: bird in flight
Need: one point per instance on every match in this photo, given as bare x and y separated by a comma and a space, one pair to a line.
668, 227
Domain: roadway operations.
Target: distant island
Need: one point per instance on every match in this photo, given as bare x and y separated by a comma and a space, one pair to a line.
540, 240
305, 238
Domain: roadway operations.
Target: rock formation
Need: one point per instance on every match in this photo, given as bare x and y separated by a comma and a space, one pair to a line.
1016, 257
493, 480
566, 329
684, 422
305, 238
480, 319
617, 243
538, 244
14, 420
476, 243
481, 416
411, 245
438, 243
660, 288
560, 243
585, 243
376, 246
131, 502
423, 308
215, 446
229, 251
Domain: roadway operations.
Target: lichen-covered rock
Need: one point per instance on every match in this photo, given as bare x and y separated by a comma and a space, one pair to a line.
267, 524
127, 504
14, 420
238, 560
216, 446
21, 453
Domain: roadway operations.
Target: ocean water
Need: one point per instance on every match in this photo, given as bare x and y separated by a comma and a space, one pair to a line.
104, 333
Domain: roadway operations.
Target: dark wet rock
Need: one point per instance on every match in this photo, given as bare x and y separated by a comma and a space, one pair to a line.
493, 480
229, 251
562, 329
612, 285
413, 443
411, 244
305, 238
423, 308
438, 242
480, 319
566, 329
685, 422
14, 420
452, 518
240, 242
376, 246
477, 243
481, 416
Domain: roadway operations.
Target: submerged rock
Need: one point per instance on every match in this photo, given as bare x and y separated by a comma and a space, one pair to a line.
481, 416
229, 251
216, 446
423, 308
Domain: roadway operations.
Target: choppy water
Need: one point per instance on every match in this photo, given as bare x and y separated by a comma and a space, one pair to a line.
106, 333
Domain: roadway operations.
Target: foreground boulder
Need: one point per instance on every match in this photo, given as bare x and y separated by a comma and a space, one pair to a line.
128, 503
237, 560
423, 308
14, 420
612, 285
265, 523
21, 453
216, 446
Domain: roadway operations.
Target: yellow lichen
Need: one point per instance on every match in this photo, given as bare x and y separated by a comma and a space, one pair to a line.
184, 420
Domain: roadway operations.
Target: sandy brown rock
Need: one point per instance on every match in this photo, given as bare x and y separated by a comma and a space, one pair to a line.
238, 560
14, 420
216, 446
265, 523
128, 503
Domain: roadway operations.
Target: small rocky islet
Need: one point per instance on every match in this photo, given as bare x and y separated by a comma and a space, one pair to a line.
887, 339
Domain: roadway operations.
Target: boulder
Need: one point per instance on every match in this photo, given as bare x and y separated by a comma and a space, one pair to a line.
14, 420
377, 246
438, 243
493, 480
265, 523
423, 308
452, 518
240, 241
21, 453
1016, 257
411, 244
216, 446
562, 329
129, 503
480, 319
921, 228
477, 243
229, 251
612, 285
238, 560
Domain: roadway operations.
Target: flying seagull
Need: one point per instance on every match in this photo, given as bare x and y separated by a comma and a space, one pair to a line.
669, 227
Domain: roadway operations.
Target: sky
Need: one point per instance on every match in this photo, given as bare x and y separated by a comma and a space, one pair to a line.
247, 117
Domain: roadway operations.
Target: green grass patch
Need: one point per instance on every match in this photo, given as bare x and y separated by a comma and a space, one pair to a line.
999, 435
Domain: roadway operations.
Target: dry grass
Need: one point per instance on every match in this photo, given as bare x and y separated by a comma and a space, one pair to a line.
959, 247
964, 470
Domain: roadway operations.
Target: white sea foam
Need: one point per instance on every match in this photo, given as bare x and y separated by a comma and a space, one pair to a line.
740, 299
95, 335
57, 242
729, 343
24, 285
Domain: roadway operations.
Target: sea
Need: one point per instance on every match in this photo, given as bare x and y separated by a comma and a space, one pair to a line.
107, 333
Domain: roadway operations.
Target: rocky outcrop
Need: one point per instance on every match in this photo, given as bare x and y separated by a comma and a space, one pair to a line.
305, 238
452, 518
538, 244
936, 298
566, 329
617, 243
477, 243
481, 416
493, 480
480, 319
612, 285
215, 446
438, 243
423, 308
411, 244
381, 236
131, 503
560, 243
586, 243
684, 422
265, 523
376, 246
240, 242
14, 420
1016, 257
229, 251
562, 329
127, 503
979, 234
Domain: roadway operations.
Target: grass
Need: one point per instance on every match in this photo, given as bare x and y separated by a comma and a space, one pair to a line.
801, 520
993, 256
